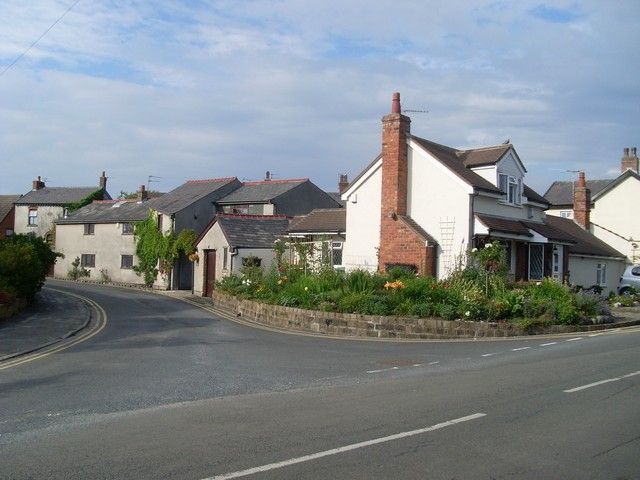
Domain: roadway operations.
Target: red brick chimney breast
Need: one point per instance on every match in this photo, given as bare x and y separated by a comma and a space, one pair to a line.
582, 202
629, 160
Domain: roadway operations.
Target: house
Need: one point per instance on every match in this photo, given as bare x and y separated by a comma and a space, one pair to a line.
325, 229
37, 210
276, 197
232, 240
7, 214
101, 236
422, 205
192, 205
611, 216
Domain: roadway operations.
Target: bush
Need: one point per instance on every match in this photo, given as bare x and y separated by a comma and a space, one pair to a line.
24, 263
76, 271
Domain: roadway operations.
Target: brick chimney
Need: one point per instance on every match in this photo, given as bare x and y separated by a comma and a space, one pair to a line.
103, 181
629, 160
267, 176
395, 134
143, 195
582, 202
38, 184
343, 184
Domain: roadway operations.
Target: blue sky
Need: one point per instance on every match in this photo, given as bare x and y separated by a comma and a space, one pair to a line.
204, 89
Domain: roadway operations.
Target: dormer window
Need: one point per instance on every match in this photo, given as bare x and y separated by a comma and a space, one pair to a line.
511, 187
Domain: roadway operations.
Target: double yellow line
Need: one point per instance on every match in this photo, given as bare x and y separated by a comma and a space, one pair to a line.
67, 343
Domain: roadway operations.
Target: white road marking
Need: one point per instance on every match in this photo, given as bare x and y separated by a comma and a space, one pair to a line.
489, 354
416, 365
596, 334
574, 339
518, 349
383, 370
433, 363
343, 449
601, 382
547, 344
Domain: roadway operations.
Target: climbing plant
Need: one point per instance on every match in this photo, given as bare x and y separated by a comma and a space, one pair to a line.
73, 206
157, 252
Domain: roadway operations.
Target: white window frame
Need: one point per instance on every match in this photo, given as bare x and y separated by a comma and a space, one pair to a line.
566, 214
225, 255
505, 184
32, 219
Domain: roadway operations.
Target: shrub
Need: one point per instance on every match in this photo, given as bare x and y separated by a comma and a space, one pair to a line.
76, 271
360, 281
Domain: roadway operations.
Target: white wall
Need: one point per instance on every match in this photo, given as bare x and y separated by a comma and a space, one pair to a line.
107, 244
437, 200
46, 216
582, 271
214, 239
363, 224
617, 211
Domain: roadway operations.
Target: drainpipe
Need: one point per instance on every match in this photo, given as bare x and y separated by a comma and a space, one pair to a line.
472, 198
233, 252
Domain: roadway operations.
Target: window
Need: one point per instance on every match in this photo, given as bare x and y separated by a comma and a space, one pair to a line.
88, 260
225, 254
33, 216
601, 274
127, 228
8, 232
89, 228
251, 261
126, 261
511, 188
635, 271
566, 214
536, 261
555, 262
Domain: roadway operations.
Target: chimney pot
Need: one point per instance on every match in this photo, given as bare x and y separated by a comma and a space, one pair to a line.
343, 184
267, 175
395, 103
626, 151
634, 151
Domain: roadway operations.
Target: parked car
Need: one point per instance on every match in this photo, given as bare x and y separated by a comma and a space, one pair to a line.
629, 279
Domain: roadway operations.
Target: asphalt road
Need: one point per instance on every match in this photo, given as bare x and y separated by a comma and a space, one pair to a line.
166, 390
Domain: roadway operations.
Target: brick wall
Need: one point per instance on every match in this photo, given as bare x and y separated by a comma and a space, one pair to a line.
582, 202
7, 222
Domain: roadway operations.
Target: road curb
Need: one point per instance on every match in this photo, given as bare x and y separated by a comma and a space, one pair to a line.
62, 337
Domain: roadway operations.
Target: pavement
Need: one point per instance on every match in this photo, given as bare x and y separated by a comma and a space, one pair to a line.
53, 317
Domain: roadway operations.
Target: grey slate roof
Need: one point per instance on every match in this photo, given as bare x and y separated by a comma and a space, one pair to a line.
252, 231
57, 195
584, 242
534, 196
337, 197
504, 225
187, 193
6, 204
321, 220
413, 225
262, 191
113, 211
477, 157
561, 193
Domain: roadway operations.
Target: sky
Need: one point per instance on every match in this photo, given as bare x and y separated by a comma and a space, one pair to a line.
207, 89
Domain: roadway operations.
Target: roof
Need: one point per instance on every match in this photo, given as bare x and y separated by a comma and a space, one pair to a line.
503, 225
549, 231
188, 193
110, 211
411, 223
250, 231
321, 220
561, 193
337, 197
6, 204
615, 182
534, 196
450, 157
262, 191
478, 157
585, 242
57, 195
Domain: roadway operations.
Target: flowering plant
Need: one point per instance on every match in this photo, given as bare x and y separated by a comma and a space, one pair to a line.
394, 285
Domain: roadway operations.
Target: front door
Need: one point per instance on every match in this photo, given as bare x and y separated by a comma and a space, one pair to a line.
209, 272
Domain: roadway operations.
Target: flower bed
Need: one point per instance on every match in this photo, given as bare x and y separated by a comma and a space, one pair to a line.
477, 293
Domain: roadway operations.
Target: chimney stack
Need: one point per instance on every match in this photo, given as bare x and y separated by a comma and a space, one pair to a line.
343, 184
103, 181
582, 202
267, 176
629, 160
396, 130
38, 184
143, 195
